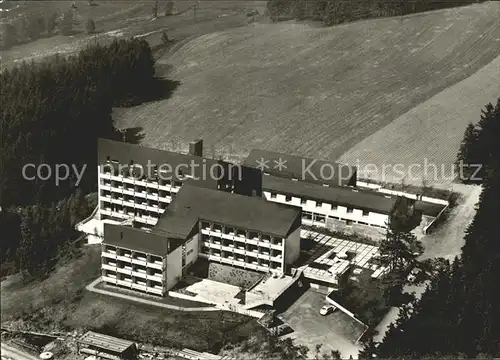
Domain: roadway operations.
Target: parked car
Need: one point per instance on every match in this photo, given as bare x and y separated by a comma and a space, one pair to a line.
327, 309
413, 274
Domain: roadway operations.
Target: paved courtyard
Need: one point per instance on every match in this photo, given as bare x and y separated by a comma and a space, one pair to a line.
327, 250
335, 331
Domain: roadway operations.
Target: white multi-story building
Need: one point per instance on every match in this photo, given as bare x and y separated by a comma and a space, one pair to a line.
323, 190
137, 183
242, 231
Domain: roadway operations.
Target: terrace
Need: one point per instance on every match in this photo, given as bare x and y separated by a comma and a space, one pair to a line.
326, 258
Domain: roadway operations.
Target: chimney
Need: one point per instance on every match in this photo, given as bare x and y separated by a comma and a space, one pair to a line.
196, 148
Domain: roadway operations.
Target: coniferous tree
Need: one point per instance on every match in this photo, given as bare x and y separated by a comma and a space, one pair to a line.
66, 24
399, 250
10, 35
458, 313
51, 23
90, 26
467, 153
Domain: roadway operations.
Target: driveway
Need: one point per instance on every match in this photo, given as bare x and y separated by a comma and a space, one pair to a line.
335, 331
446, 242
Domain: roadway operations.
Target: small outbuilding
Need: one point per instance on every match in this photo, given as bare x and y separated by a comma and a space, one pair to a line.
106, 347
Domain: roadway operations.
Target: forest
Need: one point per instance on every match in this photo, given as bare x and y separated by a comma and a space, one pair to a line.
53, 112
458, 315
332, 12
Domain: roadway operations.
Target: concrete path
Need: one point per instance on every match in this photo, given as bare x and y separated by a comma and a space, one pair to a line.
91, 287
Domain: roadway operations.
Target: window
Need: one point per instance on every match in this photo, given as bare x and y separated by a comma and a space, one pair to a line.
189, 252
366, 212
320, 218
288, 198
319, 204
273, 195
349, 210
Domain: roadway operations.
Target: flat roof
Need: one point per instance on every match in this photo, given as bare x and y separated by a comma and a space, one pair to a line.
429, 209
148, 242
194, 203
173, 162
105, 342
360, 199
301, 168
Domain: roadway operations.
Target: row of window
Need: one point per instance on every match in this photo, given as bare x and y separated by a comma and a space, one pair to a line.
128, 253
153, 179
133, 199
132, 279
153, 190
241, 246
245, 259
318, 204
129, 210
241, 233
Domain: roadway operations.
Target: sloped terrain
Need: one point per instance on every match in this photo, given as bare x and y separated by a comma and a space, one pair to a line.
425, 140
314, 91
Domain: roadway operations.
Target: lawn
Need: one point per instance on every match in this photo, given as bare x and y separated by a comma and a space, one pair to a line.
316, 91
61, 303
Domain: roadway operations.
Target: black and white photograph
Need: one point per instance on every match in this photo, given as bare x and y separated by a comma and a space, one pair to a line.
249, 179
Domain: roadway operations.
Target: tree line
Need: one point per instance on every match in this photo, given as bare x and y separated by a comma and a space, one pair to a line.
458, 314
333, 12
35, 237
53, 113
33, 27
480, 146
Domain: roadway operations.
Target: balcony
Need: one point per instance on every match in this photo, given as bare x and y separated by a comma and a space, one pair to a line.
155, 290
139, 261
139, 287
108, 254
155, 265
109, 279
108, 267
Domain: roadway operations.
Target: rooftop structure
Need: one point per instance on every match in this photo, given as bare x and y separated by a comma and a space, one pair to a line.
301, 168
140, 240
343, 196
106, 346
193, 203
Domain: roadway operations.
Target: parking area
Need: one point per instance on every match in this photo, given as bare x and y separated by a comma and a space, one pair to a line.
336, 331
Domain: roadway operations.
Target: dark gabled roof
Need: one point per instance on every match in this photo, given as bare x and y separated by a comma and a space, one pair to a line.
301, 168
140, 240
346, 196
125, 153
105, 342
428, 208
193, 203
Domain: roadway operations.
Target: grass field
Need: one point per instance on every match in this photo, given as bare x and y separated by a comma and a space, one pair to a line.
118, 19
316, 91
430, 133
61, 303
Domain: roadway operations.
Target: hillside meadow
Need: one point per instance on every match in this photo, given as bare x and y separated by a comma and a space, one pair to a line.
314, 91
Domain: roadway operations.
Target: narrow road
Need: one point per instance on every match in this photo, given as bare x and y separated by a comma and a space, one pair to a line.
9, 352
446, 242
